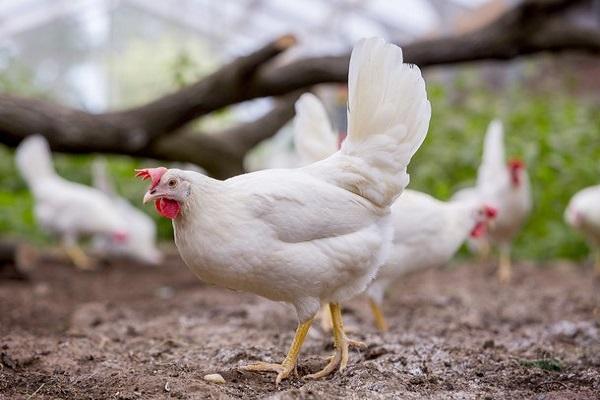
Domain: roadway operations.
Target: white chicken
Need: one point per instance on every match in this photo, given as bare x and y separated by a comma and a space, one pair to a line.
506, 187
583, 214
311, 235
141, 229
65, 208
477, 245
427, 232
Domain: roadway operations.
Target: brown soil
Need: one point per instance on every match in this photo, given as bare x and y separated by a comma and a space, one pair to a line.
128, 332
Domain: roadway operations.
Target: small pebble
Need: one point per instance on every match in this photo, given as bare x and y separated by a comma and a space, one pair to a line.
214, 378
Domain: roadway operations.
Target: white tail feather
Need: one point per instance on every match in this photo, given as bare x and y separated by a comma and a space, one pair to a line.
388, 118
34, 159
100, 177
313, 136
493, 147
493, 159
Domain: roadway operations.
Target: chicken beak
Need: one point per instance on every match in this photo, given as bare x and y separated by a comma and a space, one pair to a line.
149, 196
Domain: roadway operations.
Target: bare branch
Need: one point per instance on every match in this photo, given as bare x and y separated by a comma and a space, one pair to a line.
154, 129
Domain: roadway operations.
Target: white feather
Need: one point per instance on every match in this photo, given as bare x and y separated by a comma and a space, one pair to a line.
388, 118
141, 229
318, 233
427, 233
65, 208
314, 138
583, 214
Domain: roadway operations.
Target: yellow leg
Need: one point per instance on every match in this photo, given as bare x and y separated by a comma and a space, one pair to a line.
289, 363
505, 267
78, 257
380, 321
339, 360
325, 318
484, 250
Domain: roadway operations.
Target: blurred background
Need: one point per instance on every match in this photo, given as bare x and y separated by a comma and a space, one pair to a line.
105, 55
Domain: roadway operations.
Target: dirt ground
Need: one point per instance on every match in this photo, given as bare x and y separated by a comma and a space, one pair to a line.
128, 332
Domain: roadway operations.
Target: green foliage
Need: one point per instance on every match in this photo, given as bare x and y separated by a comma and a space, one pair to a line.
16, 78
554, 131
557, 134
16, 202
174, 64
547, 364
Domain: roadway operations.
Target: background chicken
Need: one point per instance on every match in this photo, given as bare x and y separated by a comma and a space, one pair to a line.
141, 229
427, 232
64, 208
583, 214
477, 245
506, 187
316, 234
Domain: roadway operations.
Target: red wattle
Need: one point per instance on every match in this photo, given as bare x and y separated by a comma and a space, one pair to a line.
167, 208
478, 230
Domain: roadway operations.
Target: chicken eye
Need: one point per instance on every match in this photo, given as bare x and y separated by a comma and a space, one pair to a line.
172, 183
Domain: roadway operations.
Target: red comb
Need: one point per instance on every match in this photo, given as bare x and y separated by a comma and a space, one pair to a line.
516, 163
151, 173
490, 211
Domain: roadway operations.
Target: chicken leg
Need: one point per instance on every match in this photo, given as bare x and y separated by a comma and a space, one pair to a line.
377, 312
339, 359
484, 250
79, 258
505, 266
74, 252
325, 318
289, 363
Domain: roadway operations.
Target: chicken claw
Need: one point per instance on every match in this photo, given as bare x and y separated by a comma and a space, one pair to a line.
283, 370
289, 363
339, 360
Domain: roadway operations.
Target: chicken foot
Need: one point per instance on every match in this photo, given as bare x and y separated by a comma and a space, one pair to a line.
380, 322
339, 360
289, 363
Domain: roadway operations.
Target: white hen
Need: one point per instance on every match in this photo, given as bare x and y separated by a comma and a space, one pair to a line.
506, 187
65, 208
583, 214
427, 232
141, 229
311, 235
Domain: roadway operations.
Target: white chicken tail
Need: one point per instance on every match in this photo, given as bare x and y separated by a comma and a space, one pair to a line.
493, 160
100, 177
493, 146
313, 136
34, 159
388, 118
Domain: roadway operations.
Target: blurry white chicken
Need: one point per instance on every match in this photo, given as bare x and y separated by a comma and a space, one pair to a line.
311, 235
506, 188
478, 245
141, 229
427, 232
583, 214
65, 208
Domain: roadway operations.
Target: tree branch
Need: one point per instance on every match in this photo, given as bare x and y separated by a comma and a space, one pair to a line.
153, 129
534, 26
222, 154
